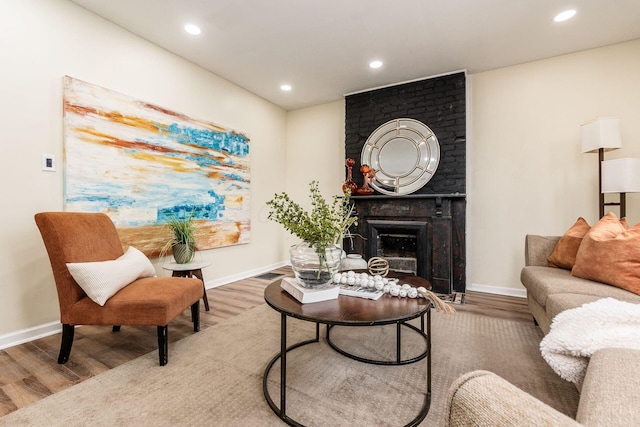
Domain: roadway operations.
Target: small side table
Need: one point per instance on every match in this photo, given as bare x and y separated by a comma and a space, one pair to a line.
192, 269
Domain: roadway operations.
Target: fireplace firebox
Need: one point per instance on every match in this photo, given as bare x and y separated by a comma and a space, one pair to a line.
416, 234
402, 243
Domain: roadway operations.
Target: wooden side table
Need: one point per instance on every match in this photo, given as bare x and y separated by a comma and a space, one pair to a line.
192, 269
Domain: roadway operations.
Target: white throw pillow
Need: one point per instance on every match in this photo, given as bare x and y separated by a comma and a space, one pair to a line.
101, 280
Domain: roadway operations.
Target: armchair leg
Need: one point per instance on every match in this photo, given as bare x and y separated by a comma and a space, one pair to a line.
116, 328
65, 345
195, 316
163, 347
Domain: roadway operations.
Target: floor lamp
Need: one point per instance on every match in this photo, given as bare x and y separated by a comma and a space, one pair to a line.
601, 135
621, 176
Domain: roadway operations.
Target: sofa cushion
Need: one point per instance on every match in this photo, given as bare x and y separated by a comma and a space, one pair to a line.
564, 254
610, 253
557, 303
541, 282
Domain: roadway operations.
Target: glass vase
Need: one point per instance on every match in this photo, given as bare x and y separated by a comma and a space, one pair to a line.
314, 269
350, 183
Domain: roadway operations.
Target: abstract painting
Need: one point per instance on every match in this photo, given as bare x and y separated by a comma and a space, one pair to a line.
141, 164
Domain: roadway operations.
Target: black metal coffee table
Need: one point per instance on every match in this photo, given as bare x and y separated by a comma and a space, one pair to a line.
349, 311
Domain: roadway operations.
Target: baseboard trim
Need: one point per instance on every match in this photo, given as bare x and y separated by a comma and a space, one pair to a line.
498, 290
40, 331
210, 284
29, 334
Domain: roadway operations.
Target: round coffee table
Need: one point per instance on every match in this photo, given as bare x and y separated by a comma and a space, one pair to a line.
348, 311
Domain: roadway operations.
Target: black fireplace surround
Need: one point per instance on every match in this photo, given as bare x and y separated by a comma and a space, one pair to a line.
423, 232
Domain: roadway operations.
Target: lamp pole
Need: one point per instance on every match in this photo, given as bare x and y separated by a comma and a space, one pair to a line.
600, 193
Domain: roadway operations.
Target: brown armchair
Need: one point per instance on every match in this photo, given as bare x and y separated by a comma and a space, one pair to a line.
72, 237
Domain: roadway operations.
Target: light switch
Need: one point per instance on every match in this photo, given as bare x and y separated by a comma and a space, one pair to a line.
49, 162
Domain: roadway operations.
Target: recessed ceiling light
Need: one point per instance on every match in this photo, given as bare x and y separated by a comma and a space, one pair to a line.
375, 64
285, 87
563, 16
192, 29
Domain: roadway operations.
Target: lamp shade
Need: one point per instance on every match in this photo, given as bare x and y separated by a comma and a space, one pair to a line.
621, 176
601, 133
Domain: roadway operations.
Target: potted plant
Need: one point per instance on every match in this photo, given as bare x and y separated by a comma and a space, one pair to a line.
182, 242
321, 229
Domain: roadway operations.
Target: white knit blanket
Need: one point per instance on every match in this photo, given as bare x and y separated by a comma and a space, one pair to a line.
578, 333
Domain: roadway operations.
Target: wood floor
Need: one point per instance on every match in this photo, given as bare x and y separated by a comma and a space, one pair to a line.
30, 372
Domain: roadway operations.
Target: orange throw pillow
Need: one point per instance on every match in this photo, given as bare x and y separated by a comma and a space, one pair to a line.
610, 253
564, 254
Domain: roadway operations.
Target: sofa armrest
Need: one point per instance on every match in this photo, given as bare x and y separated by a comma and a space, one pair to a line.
609, 394
482, 398
538, 248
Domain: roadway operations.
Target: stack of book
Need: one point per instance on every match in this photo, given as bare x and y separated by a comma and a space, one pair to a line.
308, 295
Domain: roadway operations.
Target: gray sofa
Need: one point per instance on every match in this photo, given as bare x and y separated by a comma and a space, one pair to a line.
610, 393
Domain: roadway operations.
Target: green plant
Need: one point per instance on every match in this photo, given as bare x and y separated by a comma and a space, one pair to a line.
324, 225
183, 231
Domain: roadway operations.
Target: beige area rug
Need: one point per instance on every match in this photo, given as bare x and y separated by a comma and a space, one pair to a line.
214, 377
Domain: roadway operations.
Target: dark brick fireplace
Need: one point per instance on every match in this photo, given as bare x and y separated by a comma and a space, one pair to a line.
424, 232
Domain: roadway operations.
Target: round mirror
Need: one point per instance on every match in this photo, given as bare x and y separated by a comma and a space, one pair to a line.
404, 155
394, 155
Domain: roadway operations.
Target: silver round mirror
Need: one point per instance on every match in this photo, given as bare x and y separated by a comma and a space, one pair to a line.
403, 154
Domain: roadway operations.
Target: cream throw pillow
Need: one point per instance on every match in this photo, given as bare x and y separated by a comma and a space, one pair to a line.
101, 280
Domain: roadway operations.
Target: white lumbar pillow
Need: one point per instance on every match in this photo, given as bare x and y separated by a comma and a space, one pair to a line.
101, 280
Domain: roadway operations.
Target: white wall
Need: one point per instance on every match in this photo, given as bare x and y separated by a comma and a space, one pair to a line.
526, 171
315, 151
41, 42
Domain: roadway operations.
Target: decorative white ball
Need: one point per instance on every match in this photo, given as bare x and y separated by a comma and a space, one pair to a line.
337, 277
370, 283
386, 289
406, 286
379, 286
343, 280
351, 280
364, 277
377, 277
402, 293
412, 293
422, 289
394, 291
351, 273
385, 280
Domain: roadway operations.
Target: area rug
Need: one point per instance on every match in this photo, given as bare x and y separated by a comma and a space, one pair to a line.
214, 377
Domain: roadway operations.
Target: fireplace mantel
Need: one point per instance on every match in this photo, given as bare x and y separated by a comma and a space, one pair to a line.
438, 221
411, 196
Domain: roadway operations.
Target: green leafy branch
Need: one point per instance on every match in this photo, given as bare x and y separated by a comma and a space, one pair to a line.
324, 225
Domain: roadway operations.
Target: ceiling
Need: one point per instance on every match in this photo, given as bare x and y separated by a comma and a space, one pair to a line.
322, 48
